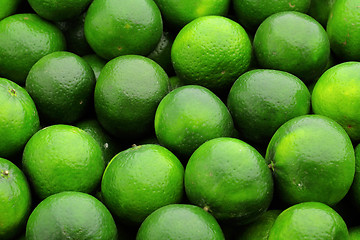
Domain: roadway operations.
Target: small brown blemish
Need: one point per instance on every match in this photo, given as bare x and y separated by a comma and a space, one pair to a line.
349, 126
223, 72
206, 208
26, 18
291, 5
119, 48
81, 102
12, 92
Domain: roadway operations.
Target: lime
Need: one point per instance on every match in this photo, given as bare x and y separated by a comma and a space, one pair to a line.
336, 95
62, 85
19, 118
355, 188
343, 29
230, 179
211, 51
292, 42
180, 221
189, 116
124, 27
59, 10
8, 7
24, 39
15, 200
354, 233
261, 100
140, 180
313, 159
96, 63
62, 158
127, 94
71, 215
175, 82
162, 52
320, 10
179, 13
310, 220
251, 13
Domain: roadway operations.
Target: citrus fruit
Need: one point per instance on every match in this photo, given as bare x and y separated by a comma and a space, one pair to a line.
140, 180
108, 145
62, 85
59, 10
24, 39
15, 200
114, 28
127, 94
343, 29
96, 63
162, 52
260, 229
354, 233
8, 7
336, 95
189, 116
230, 179
178, 14
175, 82
355, 188
62, 158
19, 118
251, 13
310, 220
180, 221
211, 51
261, 100
292, 42
312, 159
71, 215
320, 10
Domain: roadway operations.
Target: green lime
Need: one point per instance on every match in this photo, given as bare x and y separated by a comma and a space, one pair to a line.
108, 145
230, 179
189, 116
115, 28
355, 188
62, 86
15, 200
251, 13
292, 42
162, 52
179, 13
127, 94
59, 10
62, 158
337, 95
8, 7
211, 51
175, 82
312, 159
71, 215
260, 229
261, 100
343, 29
140, 180
96, 63
19, 118
354, 233
24, 39
180, 221
320, 10
310, 220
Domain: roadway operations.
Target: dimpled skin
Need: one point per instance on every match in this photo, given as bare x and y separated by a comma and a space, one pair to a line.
180, 222
337, 95
62, 158
292, 42
162, 52
71, 215
140, 180
211, 51
62, 85
312, 159
127, 94
260, 101
24, 39
8, 7
179, 13
15, 200
251, 13
123, 27
19, 118
320, 10
355, 187
343, 29
59, 10
310, 220
230, 179
189, 116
